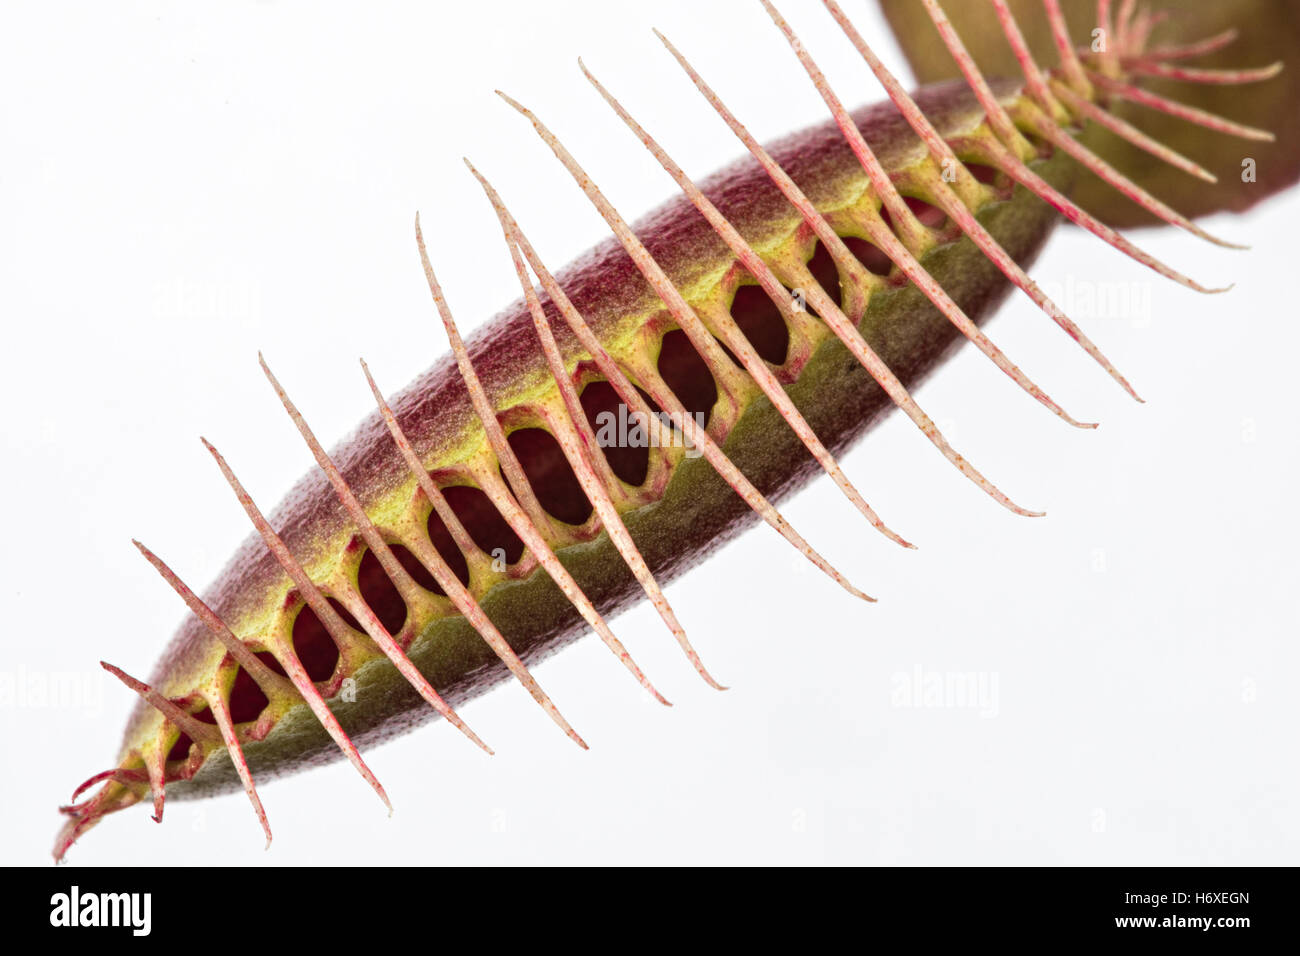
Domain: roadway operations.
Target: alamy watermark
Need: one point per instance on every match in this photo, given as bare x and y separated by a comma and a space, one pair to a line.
628, 429
1084, 299
922, 689
235, 300
25, 689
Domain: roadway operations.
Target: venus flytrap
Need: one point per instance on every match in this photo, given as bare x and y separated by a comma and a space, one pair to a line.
733, 342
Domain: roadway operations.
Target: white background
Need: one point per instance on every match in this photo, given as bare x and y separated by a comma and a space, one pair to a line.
181, 189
